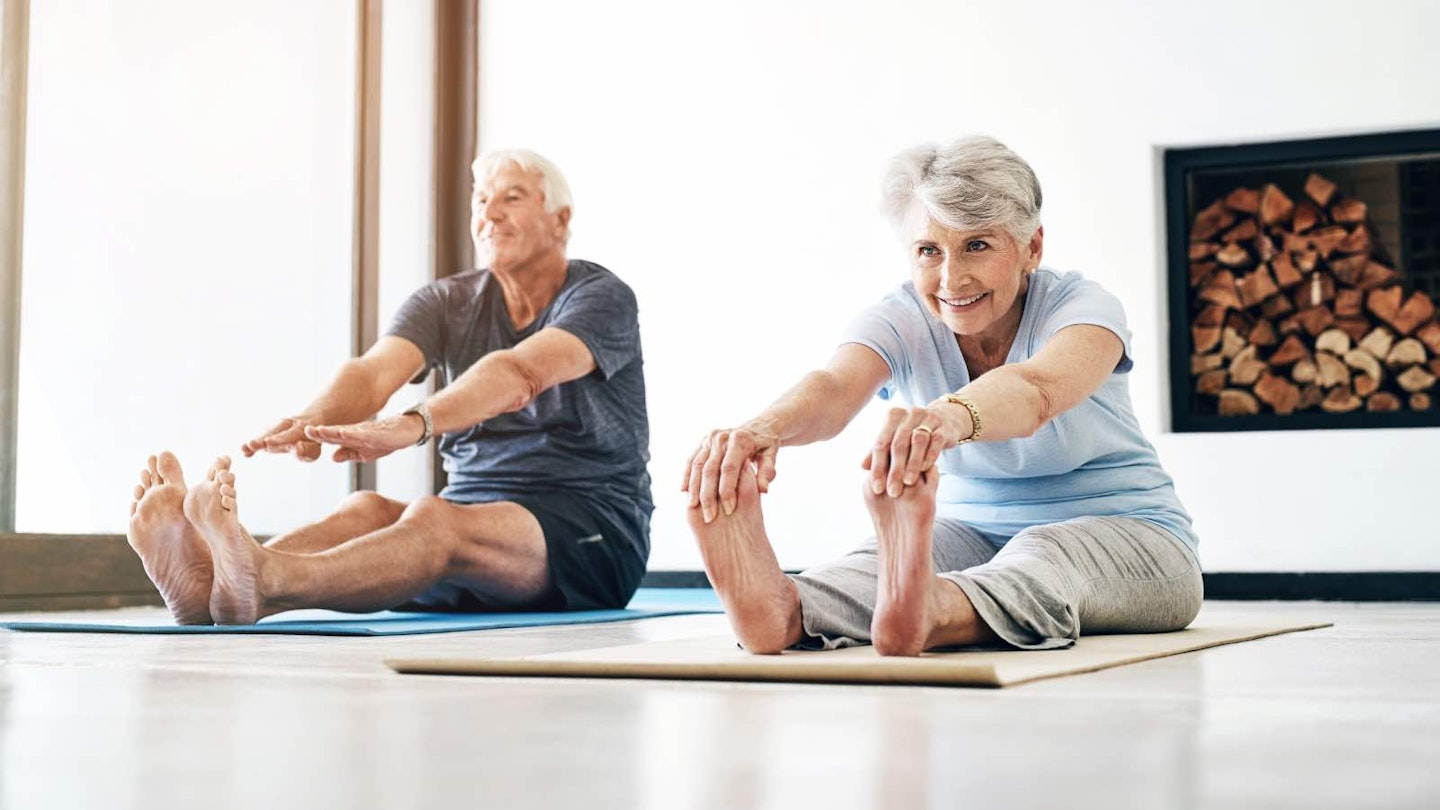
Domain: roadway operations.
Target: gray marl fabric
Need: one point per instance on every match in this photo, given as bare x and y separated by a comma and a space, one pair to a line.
1041, 590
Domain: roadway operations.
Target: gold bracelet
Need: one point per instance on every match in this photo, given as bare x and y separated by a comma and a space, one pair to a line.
974, 417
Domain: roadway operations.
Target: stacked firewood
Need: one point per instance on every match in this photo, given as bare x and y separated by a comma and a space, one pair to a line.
1295, 307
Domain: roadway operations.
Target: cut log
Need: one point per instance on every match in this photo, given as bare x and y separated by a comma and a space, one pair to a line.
1357, 242
1247, 366
1205, 332
1382, 401
1416, 378
1294, 242
1328, 238
1375, 275
1333, 370
1306, 216
1435, 366
1341, 400
1276, 305
1234, 255
1240, 322
1256, 287
1419, 401
1201, 363
1235, 402
1385, 303
1231, 343
1429, 334
1263, 334
1279, 393
1378, 342
1310, 397
1289, 325
1291, 351
1408, 352
1244, 200
1305, 371
1315, 320
1200, 271
1305, 261
1418, 309
1264, 248
1349, 211
1244, 230
1348, 269
1364, 384
1211, 383
1333, 341
1349, 303
1364, 362
1354, 325
1220, 290
1317, 288
1202, 250
1275, 207
1285, 273
1319, 189
1211, 221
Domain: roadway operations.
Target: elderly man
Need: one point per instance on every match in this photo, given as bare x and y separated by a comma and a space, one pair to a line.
541, 421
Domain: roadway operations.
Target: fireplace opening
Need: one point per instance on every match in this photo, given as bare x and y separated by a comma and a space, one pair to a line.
1303, 281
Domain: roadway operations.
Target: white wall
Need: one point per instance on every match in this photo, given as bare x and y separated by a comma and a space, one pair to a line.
188, 205
724, 160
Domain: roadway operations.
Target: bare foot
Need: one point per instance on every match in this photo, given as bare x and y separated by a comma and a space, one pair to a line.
904, 606
235, 596
761, 602
174, 554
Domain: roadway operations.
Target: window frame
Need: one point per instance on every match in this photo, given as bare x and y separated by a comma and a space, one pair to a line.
91, 571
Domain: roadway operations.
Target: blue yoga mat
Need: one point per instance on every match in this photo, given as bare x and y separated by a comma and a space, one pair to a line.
648, 603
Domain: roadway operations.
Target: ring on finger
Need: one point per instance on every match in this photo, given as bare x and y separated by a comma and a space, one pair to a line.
925, 428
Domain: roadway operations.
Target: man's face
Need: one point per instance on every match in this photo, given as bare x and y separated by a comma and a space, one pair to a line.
509, 221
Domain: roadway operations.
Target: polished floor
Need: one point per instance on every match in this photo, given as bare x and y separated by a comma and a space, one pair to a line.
1346, 717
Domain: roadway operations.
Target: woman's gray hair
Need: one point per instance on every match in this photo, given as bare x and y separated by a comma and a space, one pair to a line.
552, 182
971, 184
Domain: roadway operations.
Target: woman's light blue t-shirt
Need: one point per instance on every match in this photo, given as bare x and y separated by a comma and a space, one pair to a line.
1091, 460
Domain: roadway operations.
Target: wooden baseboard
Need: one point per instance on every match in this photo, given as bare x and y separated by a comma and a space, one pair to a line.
67, 572
1365, 586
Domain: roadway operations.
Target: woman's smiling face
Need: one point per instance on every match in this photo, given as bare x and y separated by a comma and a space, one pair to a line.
972, 281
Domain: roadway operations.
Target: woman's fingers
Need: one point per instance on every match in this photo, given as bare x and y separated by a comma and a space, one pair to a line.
697, 472
766, 473
881, 454
710, 479
738, 449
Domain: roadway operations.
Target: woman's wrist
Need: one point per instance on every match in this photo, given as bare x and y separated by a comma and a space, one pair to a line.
764, 427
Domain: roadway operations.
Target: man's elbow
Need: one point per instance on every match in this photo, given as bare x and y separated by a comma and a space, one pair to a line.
528, 383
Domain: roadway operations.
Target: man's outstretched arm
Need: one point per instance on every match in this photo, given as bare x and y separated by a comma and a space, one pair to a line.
500, 382
359, 390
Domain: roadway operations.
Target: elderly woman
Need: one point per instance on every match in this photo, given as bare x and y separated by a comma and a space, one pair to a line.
1015, 499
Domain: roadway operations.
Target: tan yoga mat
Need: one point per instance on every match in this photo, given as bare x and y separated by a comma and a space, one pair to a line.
716, 658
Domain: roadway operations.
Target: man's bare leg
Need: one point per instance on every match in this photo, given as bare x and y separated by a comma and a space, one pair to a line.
360, 514
497, 549
761, 602
915, 609
174, 555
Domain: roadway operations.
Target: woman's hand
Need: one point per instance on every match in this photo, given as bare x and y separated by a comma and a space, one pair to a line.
367, 441
712, 475
909, 444
286, 436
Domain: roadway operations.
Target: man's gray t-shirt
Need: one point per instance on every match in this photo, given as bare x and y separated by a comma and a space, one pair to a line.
587, 437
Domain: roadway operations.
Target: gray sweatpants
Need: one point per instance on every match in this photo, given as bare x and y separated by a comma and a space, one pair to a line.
1039, 591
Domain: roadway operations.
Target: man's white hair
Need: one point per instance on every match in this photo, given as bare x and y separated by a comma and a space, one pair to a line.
552, 182
971, 184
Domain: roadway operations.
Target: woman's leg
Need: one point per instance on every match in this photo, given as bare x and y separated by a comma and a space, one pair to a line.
1052, 583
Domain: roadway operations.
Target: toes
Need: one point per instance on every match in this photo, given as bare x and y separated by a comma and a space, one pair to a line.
227, 503
222, 463
146, 480
225, 477
227, 490
139, 493
169, 468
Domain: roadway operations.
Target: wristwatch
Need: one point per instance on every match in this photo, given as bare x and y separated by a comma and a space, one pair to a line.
422, 410
974, 417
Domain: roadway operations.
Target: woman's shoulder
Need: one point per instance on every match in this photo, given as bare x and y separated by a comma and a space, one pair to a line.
1058, 289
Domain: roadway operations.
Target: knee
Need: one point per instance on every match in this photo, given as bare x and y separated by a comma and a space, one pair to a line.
372, 504
429, 510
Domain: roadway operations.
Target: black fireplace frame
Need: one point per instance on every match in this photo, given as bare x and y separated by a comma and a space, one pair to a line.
1179, 163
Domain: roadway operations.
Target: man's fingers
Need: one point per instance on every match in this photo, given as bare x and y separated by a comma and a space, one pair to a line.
307, 451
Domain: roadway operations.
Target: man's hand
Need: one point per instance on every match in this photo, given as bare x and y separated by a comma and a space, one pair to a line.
367, 441
287, 436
